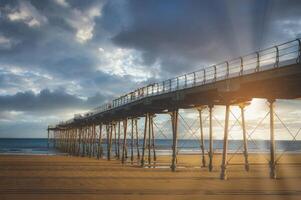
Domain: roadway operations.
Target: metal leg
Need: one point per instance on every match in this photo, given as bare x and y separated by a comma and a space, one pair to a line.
90, 141
174, 121
210, 139
109, 132
119, 141
272, 141
153, 139
48, 139
202, 138
94, 137
132, 141
84, 142
99, 155
242, 107
115, 141
149, 141
144, 141
79, 141
123, 158
137, 139
225, 146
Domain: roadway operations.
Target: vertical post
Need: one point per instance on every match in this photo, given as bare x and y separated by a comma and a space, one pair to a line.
94, 139
272, 140
132, 141
149, 141
123, 158
90, 142
202, 138
99, 155
153, 139
48, 138
119, 142
79, 141
108, 141
109, 132
174, 121
242, 109
225, 146
144, 140
115, 141
210, 139
137, 139
84, 141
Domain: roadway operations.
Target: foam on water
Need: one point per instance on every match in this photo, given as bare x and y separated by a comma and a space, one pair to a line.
163, 146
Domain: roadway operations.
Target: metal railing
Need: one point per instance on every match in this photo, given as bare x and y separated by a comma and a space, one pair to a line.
273, 57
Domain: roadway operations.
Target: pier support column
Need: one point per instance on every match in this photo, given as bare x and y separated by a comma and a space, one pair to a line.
109, 140
174, 121
100, 150
48, 138
272, 140
245, 139
93, 139
123, 158
210, 166
153, 138
79, 141
90, 140
83, 141
144, 140
115, 140
132, 141
149, 141
225, 146
202, 137
137, 139
119, 142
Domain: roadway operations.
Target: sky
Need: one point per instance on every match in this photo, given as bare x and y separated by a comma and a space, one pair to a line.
60, 57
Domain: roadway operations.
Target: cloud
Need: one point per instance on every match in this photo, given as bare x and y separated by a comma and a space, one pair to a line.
83, 22
47, 101
186, 35
27, 14
63, 3
6, 43
126, 62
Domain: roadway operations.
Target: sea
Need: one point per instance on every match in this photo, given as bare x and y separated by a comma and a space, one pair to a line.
37, 146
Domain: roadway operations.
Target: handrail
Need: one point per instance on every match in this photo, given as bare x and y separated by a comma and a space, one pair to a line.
227, 69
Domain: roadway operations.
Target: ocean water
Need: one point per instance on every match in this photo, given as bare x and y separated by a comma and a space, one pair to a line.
28, 146
163, 146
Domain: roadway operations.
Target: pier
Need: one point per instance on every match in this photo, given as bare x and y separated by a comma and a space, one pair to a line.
113, 128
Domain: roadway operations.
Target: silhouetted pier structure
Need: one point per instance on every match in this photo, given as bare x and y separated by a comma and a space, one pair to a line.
272, 73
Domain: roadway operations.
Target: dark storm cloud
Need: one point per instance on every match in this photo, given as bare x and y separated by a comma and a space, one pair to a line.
52, 45
48, 100
186, 33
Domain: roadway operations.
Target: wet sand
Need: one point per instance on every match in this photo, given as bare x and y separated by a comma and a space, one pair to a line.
66, 177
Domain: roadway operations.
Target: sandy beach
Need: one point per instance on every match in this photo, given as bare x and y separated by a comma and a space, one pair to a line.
66, 177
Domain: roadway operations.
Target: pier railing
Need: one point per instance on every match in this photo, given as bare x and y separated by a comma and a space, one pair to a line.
266, 59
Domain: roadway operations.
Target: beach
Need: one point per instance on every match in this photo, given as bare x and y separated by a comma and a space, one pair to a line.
67, 177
